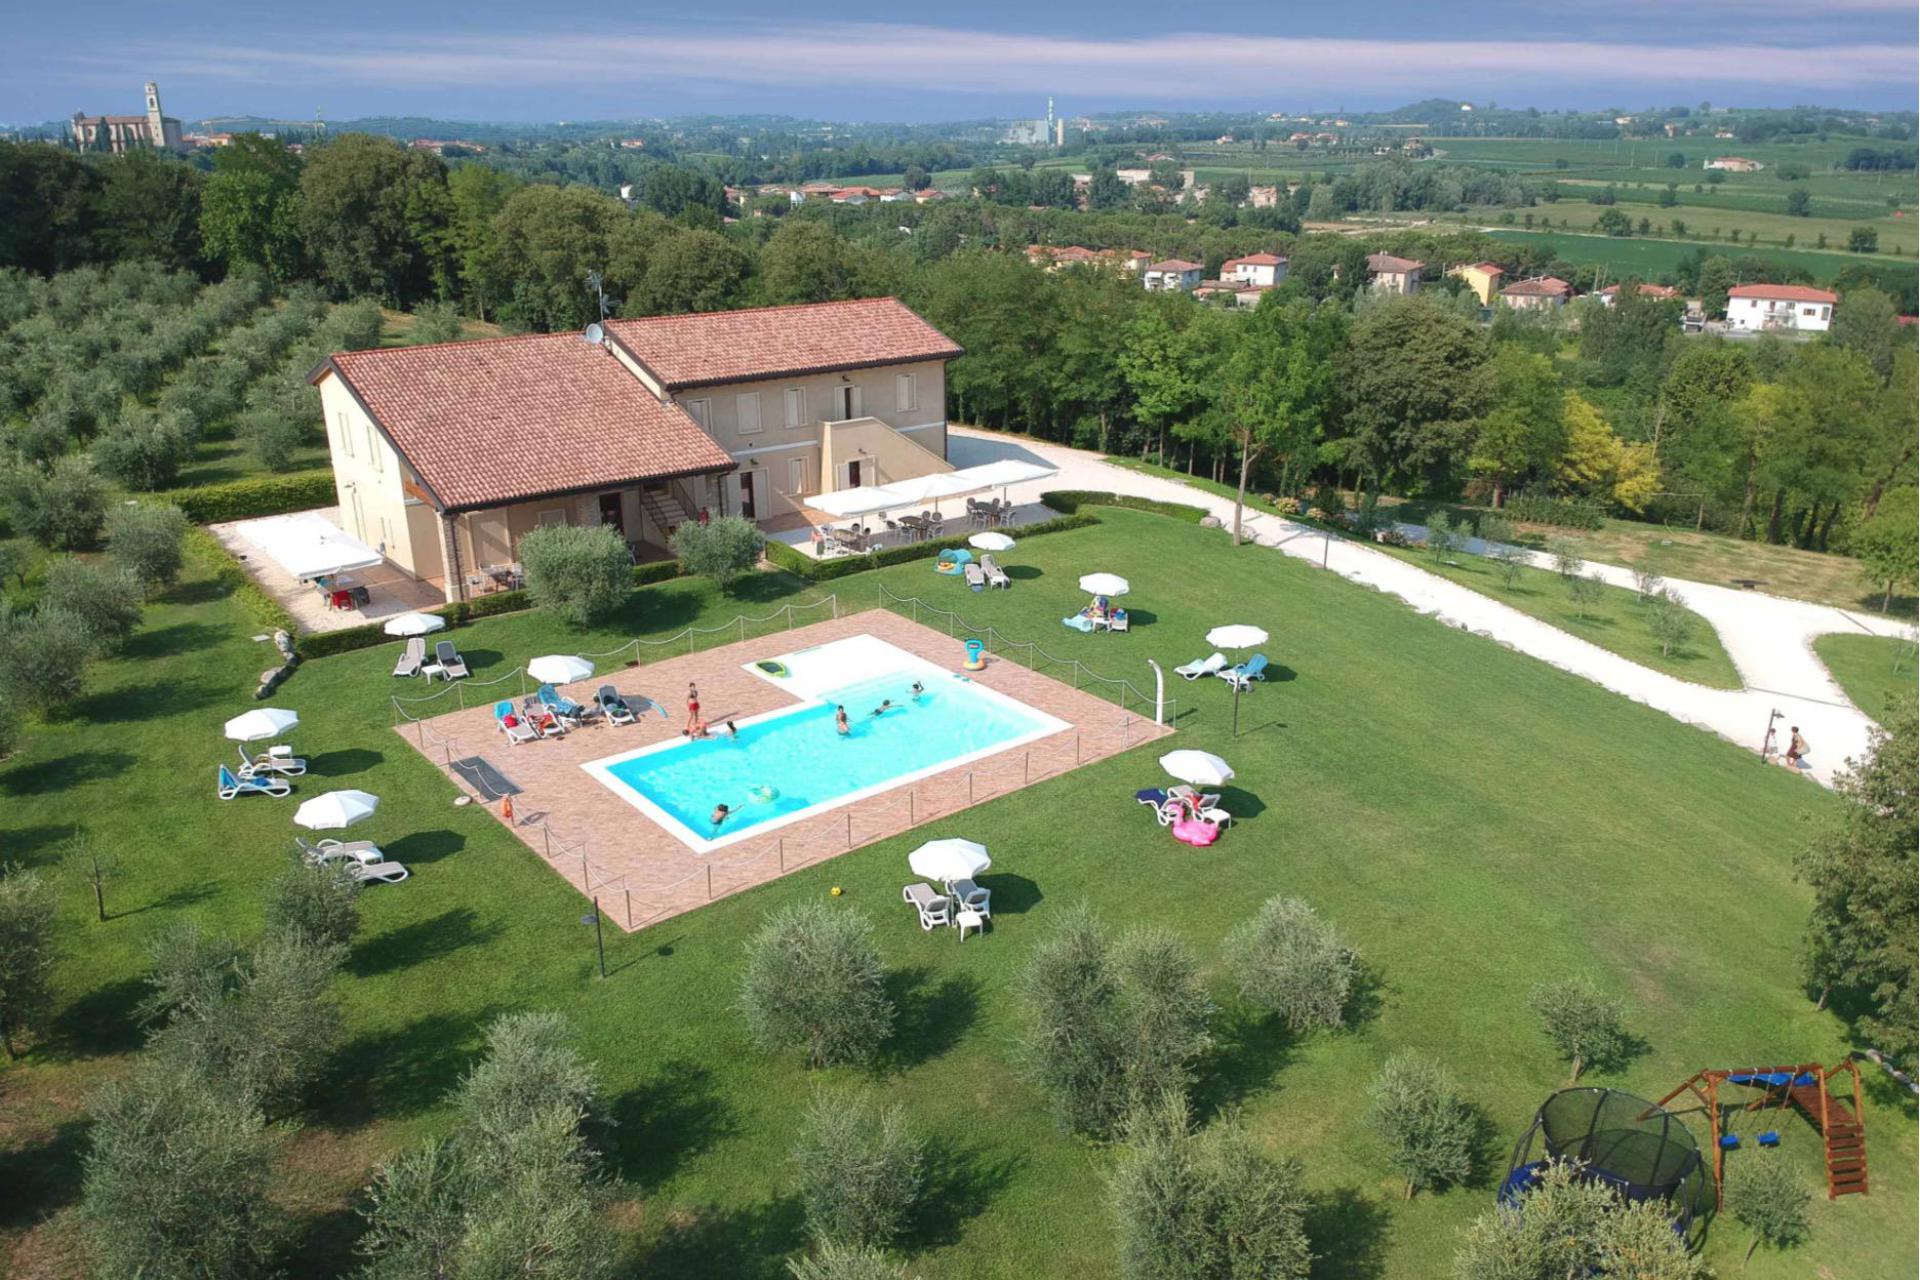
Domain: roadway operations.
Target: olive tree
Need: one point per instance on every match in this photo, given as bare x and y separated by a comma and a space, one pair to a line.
721, 549
843, 1262
1429, 1129
1585, 591
146, 539
1669, 622
1584, 1024
43, 658
104, 599
581, 574
861, 1169
1290, 962
814, 984
1568, 1225
61, 508
319, 902
26, 953
1768, 1200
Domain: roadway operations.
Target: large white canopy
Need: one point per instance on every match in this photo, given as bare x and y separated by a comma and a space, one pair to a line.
998, 475
861, 501
933, 487
307, 546
867, 499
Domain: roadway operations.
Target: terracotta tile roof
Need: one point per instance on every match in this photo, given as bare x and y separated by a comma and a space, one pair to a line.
1782, 293
1178, 265
1254, 260
504, 419
1661, 291
1491, 268
1538, 287
1387, 264
780, 342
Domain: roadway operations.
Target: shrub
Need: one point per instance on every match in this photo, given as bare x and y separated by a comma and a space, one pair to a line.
1583, 1024
861, 1170
1207, 1206
1668, 621
176, 1181
1288, 961
1495, 529
1443, 536
145, 540
720, 550
320, 904
1572, 1226
272, 435
580, 573
1069, 502
1428, 1127
837, 1262
257, 496
61, 508
1766, 1198
26, 954
43, 658
1568, 513
104, 599
1111, 1024
532, 1061
437, 322
1566, 556
144, 450
814, 984
1585, 590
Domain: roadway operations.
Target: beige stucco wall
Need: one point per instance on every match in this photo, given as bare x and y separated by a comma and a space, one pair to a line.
367, 480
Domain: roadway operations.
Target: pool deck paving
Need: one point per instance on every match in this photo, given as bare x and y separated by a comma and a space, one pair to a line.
643, 874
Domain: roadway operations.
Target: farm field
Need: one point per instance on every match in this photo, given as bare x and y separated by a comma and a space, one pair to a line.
1707, 226
1654, 259
1424, 788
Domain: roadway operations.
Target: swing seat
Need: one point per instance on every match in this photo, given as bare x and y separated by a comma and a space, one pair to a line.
1768, 1139
1729, 1142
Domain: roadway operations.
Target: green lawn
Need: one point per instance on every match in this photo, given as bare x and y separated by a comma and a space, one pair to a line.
1875, 671
1473, 819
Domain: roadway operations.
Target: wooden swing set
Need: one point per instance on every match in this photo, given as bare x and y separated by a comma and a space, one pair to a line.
1806, 1086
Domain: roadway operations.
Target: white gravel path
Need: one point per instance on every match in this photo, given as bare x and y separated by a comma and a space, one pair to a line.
1769, 638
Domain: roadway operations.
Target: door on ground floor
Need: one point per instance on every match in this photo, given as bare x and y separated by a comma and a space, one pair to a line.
850, 475
610, 513
748, 508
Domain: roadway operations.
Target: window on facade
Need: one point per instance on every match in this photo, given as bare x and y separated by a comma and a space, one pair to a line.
796, 406
796, 475
346, 436
747, 412
906, 391
553, 516
375, 453
699, 411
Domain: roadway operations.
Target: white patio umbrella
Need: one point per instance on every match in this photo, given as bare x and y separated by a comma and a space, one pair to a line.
1104, 584
559, 668
263, 722
335, 809
414, 624
1236, 636
1199, 768
949, 860
991, 541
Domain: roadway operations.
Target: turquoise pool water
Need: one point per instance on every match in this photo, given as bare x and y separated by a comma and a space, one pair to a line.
793, 762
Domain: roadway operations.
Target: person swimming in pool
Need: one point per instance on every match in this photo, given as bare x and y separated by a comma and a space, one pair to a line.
840, 721
733, 730
918, 689
720, 814
886, 705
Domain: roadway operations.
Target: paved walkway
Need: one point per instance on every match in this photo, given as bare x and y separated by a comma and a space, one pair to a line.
1769, 638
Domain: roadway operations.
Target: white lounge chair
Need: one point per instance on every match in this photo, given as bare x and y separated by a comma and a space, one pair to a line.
519, 730
229, 785
384, 872
412, 657
976, 577
1207, 666
324, 851
280, 760
972, 897
613, 706
933, 908
1190, 796
452, 665
996, 576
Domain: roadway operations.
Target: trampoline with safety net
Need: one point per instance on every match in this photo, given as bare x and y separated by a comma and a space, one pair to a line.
1641, 1150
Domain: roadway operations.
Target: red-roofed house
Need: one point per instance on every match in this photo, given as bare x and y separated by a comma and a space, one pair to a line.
1780, 308
1261, 270
1539, 293
445, 456
1481, 277
1658, 292
1174, 273
1388, 274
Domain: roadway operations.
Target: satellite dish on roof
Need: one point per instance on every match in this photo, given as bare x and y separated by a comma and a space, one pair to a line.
595, 335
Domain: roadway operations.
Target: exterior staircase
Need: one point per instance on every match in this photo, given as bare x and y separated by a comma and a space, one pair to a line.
664, 510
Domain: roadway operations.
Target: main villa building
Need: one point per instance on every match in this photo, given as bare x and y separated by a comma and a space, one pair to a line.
444, 456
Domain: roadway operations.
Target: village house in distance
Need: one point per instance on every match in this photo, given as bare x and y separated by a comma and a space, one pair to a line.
119, 134
445, 456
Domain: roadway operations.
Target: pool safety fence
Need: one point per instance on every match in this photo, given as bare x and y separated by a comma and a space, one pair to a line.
1113, 688
686, 640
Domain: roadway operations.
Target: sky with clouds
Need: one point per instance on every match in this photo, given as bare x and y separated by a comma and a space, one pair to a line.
863, 59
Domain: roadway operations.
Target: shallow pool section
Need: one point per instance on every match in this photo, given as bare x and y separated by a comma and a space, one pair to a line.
789, 764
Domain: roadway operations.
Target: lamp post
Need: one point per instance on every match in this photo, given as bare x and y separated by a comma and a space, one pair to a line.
599, 939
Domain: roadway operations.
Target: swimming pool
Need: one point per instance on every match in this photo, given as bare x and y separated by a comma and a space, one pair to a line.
789, 764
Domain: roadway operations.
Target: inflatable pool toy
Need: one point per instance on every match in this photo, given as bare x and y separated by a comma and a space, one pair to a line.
772, 668
762, 794
953, 561
1079, 622
1198, 834
976, 655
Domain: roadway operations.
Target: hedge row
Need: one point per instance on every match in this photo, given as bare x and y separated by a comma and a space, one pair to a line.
1541, 508
204, 549
782, 556
1071, 500
255, 496
324, 644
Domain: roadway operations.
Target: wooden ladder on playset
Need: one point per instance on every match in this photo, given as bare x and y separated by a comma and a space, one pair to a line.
1843, 1133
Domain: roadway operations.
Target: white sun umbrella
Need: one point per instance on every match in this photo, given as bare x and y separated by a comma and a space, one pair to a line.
991, 541
1236, 636
414, 624
1200, 768
335, 809
559, 668
1104, 584
264, 722
949, 860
